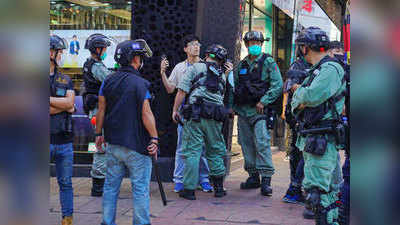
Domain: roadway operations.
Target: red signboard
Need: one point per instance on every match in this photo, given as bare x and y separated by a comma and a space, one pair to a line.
307, 5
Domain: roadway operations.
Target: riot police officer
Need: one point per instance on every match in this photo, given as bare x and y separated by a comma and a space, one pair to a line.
130, 131
94, 73
258, 84
295, 75
318, 103
203, 85
62, 97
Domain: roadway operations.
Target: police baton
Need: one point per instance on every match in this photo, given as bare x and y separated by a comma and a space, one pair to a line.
316, 130
160, 186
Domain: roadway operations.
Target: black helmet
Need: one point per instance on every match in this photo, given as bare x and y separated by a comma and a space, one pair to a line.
97, 41
313, 37
57, 43
217, 51
126, 50
253, 36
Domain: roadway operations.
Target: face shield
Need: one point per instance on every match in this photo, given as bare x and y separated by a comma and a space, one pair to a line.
111, 43
142, 44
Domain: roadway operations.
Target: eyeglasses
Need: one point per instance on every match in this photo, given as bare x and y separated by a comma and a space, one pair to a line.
194, 44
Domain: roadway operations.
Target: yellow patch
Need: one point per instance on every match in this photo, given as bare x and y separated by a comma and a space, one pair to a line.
62, 80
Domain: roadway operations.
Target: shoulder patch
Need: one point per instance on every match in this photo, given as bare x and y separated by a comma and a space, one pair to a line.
272, 64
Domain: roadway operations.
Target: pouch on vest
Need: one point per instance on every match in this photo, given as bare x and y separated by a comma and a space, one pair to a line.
221, 114
316, 144
60, 122
207, 111
186, 112
196, 110
340, 134
211, 82
89, 102
92, 86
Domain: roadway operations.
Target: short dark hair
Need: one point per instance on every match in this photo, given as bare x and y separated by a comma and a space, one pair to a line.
74, 36
189, 38
336, 44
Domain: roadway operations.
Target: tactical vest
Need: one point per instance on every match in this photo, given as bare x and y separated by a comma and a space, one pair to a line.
201, 108
294, 77
313, 115
251, 87
213, 82
92, 86
60, 123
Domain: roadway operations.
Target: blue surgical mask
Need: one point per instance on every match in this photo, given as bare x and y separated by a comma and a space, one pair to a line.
255, 50
103, 57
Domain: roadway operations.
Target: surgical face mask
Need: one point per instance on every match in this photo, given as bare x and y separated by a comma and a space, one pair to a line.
103, 57
255, 50
61, 61
141, 64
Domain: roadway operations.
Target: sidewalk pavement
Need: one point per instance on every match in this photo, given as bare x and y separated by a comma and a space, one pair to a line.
238, 207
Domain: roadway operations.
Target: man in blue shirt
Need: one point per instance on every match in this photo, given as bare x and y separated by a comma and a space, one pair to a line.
130, 134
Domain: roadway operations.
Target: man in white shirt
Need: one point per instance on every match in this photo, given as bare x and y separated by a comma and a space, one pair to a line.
191, 46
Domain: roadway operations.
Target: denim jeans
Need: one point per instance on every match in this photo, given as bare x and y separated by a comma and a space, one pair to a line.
180, 162
64, 157
139, 167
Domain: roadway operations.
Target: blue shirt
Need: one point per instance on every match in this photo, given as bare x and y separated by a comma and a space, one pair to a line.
148, 95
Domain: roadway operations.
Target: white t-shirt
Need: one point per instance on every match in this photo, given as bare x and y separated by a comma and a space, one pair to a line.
178, 72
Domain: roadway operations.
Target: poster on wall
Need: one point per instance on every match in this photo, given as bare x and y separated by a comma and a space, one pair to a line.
76, 54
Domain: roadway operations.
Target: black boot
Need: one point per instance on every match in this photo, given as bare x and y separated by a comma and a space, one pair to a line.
218, 183
97, 187
187, 194
308, 213
266, 189
321, 217
252, 182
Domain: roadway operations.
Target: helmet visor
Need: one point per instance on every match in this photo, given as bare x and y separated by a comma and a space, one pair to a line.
146, 49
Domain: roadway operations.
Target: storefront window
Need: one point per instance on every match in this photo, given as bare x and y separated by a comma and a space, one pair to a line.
260, 20
76, 20
90, 15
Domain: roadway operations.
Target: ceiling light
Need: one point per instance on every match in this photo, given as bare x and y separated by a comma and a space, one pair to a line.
129, 2
52, 2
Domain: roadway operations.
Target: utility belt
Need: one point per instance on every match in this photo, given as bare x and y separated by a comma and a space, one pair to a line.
317, 135
202, 109
61, 123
